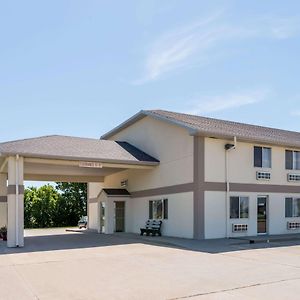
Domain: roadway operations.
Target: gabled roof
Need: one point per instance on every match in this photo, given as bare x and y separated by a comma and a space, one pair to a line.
75, 148
203, 126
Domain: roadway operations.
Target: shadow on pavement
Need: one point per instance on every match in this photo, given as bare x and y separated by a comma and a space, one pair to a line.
76, 240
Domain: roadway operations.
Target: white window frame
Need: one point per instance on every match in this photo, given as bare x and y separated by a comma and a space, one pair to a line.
294, 200
295, 159
162, 210
155, 206
263, 153
239, 214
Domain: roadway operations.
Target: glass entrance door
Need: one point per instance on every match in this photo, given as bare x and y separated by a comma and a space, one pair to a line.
262, 214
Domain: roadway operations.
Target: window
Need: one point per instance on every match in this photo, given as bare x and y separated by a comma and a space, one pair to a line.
292, 160
158, 209
262, 157
239, 207
292, 207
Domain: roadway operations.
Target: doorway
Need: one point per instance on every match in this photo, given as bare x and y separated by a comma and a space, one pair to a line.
119, 216
102, 217
262, 214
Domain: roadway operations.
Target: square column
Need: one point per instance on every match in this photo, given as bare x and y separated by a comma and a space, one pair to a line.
3, 200
15, 202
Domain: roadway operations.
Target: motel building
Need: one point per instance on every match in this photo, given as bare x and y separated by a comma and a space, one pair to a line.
204, 178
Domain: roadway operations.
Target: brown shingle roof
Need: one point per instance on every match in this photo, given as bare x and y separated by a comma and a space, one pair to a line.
197, 125
66, 147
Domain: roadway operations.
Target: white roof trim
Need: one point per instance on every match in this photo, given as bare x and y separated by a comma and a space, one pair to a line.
140, 115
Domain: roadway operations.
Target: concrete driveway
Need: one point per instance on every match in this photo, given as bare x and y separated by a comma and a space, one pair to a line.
56, 264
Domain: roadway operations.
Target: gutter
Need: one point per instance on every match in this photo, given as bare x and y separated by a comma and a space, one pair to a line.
86, 159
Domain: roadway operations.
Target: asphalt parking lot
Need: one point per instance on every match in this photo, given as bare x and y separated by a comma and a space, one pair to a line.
56, 264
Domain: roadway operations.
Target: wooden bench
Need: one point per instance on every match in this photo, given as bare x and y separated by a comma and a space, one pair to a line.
152, 227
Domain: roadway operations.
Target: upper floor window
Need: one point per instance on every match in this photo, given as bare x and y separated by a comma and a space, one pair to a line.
292, 160
262, 157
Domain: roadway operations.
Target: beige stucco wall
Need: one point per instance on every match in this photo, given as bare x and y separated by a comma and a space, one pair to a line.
180, 214
276, 209
241, 163
110, 221
215, 214
170, 144
173, 146
93, 216
242, 170
94, 188
93, 209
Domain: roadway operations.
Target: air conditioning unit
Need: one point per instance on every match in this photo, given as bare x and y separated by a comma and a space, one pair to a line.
293, 225
293, 177
239, 227
260, 175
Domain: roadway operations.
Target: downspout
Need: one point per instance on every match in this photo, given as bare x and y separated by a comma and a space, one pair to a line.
17, 200
228, 148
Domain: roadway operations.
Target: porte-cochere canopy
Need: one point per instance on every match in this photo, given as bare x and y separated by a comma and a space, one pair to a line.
64, 158
59, 158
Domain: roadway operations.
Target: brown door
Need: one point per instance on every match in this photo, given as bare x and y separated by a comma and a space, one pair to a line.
120, 216
262, 214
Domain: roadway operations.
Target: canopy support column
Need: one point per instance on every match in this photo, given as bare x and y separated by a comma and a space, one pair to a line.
15, 202
3, 200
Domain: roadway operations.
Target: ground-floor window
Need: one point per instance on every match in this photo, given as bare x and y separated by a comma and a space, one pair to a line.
158, 209
292, 207
239, 207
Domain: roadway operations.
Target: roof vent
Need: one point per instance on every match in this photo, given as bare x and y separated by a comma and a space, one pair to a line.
124, 183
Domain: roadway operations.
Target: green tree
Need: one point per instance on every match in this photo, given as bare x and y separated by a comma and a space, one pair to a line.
57, 206
72, 203
29, 194
40, 206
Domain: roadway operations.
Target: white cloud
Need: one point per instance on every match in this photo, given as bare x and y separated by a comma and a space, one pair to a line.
232, 100
194, 43
295, 113
284, 28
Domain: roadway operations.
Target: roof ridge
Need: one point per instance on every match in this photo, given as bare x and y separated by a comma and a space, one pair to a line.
221, 120
26, 139
76, 137
48, 136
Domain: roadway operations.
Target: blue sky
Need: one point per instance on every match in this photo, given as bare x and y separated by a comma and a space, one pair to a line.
81, 67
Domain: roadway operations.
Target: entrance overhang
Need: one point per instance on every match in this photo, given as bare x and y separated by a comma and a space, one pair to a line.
57, 158
71, 171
